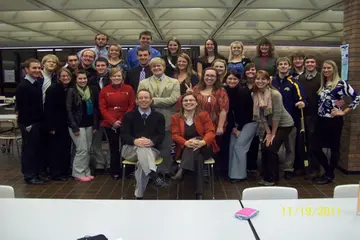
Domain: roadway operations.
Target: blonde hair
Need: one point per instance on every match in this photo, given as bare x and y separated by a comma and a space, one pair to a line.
157, 60
334, 79
118, 46
226, 69
88, 50
189, 68
113, 71
48, 57
230, 52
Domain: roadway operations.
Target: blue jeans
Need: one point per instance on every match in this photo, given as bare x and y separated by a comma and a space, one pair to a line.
239, 146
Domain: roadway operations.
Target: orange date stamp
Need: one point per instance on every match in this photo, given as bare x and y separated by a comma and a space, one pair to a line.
310, 211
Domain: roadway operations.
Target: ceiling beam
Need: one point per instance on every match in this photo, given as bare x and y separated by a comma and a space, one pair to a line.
12, 39
231, 12
301, 19
34, 30
61, 13
158, 30
322, 35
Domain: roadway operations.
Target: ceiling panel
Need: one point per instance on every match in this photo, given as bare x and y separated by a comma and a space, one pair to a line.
73, 21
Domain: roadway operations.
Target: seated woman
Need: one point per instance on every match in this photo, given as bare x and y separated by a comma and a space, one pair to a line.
82, 119
269, 108
194, 134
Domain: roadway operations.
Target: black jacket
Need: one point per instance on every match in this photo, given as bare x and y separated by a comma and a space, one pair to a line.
240, 106
134, 127
55, 108
29, 102
94, 81
133, 75
75, 111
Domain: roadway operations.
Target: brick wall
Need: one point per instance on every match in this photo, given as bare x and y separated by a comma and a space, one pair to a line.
350, 142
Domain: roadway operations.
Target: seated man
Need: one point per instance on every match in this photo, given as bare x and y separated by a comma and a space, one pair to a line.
143, 130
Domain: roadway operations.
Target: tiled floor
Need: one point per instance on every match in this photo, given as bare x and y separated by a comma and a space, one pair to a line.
104, 187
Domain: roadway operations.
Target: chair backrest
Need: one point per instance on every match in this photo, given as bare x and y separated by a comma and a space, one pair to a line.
346, 191
263, 193
6, 192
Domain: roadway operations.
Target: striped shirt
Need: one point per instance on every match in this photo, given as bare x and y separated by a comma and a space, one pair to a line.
327, 98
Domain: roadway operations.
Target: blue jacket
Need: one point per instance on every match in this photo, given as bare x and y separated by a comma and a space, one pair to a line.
292, 92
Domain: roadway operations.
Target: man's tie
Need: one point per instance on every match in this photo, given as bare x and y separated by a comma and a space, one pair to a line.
101, 83
142, 75
144, 116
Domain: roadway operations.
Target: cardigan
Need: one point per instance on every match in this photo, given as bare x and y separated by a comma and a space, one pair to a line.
135, 127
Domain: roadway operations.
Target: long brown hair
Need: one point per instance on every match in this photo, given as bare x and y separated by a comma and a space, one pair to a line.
217, 84
182, 111
265, 41
189, 68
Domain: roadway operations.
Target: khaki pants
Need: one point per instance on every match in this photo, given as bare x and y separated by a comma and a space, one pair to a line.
145, 158
82, 157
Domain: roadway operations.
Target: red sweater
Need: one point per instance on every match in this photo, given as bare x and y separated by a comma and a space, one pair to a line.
115, 102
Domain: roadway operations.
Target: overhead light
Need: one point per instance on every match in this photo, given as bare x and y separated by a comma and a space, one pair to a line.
44, 50
58, 49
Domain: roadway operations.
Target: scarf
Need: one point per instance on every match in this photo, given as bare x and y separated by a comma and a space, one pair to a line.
262, 101
86, 96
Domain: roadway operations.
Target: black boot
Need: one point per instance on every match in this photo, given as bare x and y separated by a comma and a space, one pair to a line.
199, 196
179, 175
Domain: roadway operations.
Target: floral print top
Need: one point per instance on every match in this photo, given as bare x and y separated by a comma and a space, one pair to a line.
327, 98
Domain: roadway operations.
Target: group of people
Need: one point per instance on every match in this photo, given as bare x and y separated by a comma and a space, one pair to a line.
149, 102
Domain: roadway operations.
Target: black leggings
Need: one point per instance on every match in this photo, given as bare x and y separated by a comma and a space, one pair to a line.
328, 135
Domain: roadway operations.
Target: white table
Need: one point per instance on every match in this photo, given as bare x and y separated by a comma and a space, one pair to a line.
273, 220
55, 219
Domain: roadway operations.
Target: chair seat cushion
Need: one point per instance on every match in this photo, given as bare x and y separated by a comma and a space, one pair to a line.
127, 162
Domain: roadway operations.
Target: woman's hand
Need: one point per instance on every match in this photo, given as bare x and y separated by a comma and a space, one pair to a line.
199, 144
236, 132
269, 139
52, 132
337, 112
94, 131
116, 124
190, 143
77, 133
220, 131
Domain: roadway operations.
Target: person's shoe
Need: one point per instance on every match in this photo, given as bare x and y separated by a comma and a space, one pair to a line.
199, 196
83, 179
34, 181
159, 182
91, 177
179, 175
289, 175
266, 183
234, 180
116, 176
323, 180
60, 178
139, 198
43, 178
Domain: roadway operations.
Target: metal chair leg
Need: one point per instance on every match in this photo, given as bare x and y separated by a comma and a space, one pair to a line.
209, 173
122, 181
213, 181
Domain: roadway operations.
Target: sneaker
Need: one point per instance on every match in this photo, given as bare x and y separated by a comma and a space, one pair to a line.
91, 177
265, 183
159, 182
289, 175
83, 179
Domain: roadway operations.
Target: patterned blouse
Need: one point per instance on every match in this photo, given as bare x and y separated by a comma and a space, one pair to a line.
327, 98
213, 104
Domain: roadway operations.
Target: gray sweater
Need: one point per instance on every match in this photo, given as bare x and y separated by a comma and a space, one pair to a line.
279, 112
